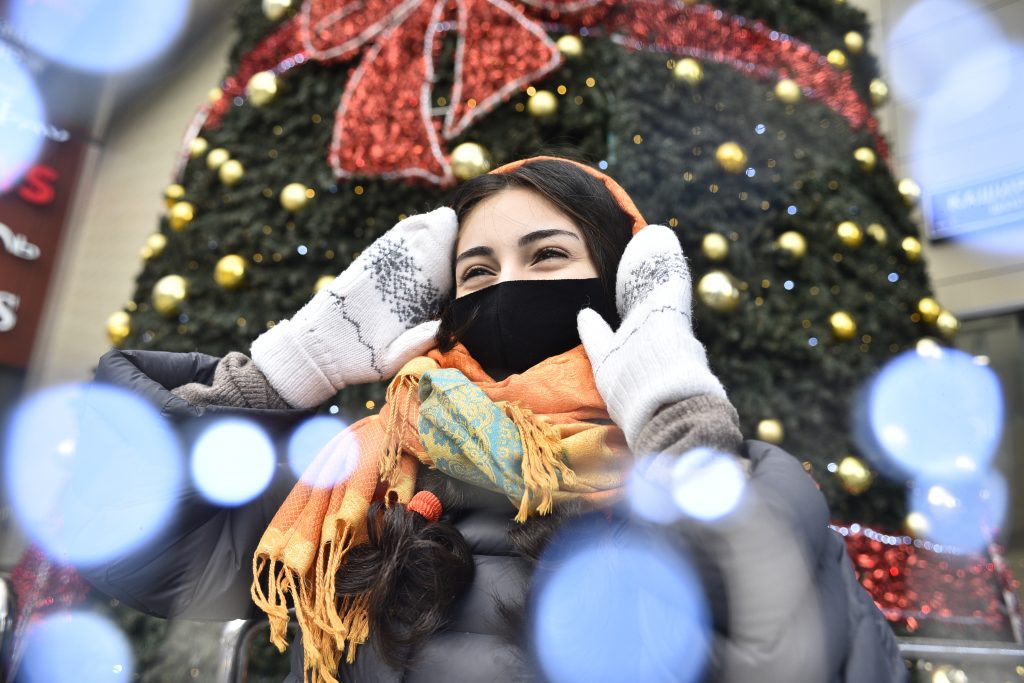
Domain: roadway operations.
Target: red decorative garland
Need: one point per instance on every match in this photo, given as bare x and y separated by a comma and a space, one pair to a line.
913, 581
385, 125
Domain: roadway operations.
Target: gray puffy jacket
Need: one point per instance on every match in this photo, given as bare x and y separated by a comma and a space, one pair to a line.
784, 610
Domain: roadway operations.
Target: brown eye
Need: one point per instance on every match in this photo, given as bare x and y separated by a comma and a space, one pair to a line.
471, 272
548, 253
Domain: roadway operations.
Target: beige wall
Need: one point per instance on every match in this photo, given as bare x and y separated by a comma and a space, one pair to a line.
119, 203
969, 280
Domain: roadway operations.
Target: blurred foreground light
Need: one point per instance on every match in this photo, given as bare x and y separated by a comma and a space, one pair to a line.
935, 414
620, 607
91, 471
76, 646
232, 462
964, 512
98, 35
310, 439
649, 490
931, 39
706, 484
21, 114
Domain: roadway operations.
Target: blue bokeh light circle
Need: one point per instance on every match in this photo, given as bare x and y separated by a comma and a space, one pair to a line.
233, 461
936, 414
99, 35
91, 471
964, 512
77, 646
620, 607
23, 115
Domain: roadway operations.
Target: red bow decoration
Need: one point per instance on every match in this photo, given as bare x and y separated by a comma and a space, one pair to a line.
385, 125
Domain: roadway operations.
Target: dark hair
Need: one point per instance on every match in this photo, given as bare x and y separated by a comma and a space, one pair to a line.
411, 569
605, 225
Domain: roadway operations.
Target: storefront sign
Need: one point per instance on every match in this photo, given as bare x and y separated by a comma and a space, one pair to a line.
993, 203
33, 213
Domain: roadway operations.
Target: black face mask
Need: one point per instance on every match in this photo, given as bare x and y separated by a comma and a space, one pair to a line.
511, 326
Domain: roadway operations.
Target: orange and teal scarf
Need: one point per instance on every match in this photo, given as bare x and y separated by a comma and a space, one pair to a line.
541, 438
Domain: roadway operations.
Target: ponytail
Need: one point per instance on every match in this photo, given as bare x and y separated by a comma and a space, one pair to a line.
411, 569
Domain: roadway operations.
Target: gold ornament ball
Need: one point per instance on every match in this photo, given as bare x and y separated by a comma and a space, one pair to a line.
169, 293
119, 326
569, 45
469, 160
295, 196
879, 91
322, 282
214, 95
155, 244
731, 157
793, 243
916, 524
542, 104
275, 10
230, 172
715, 246
911, 248
198, 147
173, 194
837, 58
788, 91
216, 157
843, 326
909, 190
719, 292
849, 233
854, 475
181, 215
877, 232
947, 324
688, 70
854, 42
770, 430
866, 158
929, 309
229, 272
262, 88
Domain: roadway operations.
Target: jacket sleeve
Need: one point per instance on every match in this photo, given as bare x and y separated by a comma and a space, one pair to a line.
785, 602
199, 565
701, 421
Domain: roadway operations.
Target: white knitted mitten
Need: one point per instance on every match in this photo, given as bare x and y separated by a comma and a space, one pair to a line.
653, 359
375, 316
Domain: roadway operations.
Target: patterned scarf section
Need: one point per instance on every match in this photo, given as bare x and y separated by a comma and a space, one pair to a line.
542, 437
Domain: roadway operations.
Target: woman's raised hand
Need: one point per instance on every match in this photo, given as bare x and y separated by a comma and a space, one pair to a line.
653, 359
375, 316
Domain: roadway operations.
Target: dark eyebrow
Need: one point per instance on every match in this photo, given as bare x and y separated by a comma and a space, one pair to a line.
538, 235
474, 251
526, 239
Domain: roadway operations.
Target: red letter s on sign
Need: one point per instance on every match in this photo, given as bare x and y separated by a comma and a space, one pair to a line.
38, 186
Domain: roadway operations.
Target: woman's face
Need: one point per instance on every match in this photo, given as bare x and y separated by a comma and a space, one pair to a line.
517, 234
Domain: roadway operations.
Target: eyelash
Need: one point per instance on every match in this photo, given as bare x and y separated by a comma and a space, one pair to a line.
542, 255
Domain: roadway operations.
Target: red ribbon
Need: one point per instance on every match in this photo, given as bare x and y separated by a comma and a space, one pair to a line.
385, 124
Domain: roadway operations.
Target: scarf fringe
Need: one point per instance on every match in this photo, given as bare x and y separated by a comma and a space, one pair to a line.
330, 627
407, 384
542, 460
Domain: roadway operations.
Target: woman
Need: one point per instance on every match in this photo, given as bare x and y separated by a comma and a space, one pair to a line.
506, 425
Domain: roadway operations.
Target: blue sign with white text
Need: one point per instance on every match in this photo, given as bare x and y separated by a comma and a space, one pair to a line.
992, 203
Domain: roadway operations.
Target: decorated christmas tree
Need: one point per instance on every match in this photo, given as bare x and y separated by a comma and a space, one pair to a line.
759, 148
745, 125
